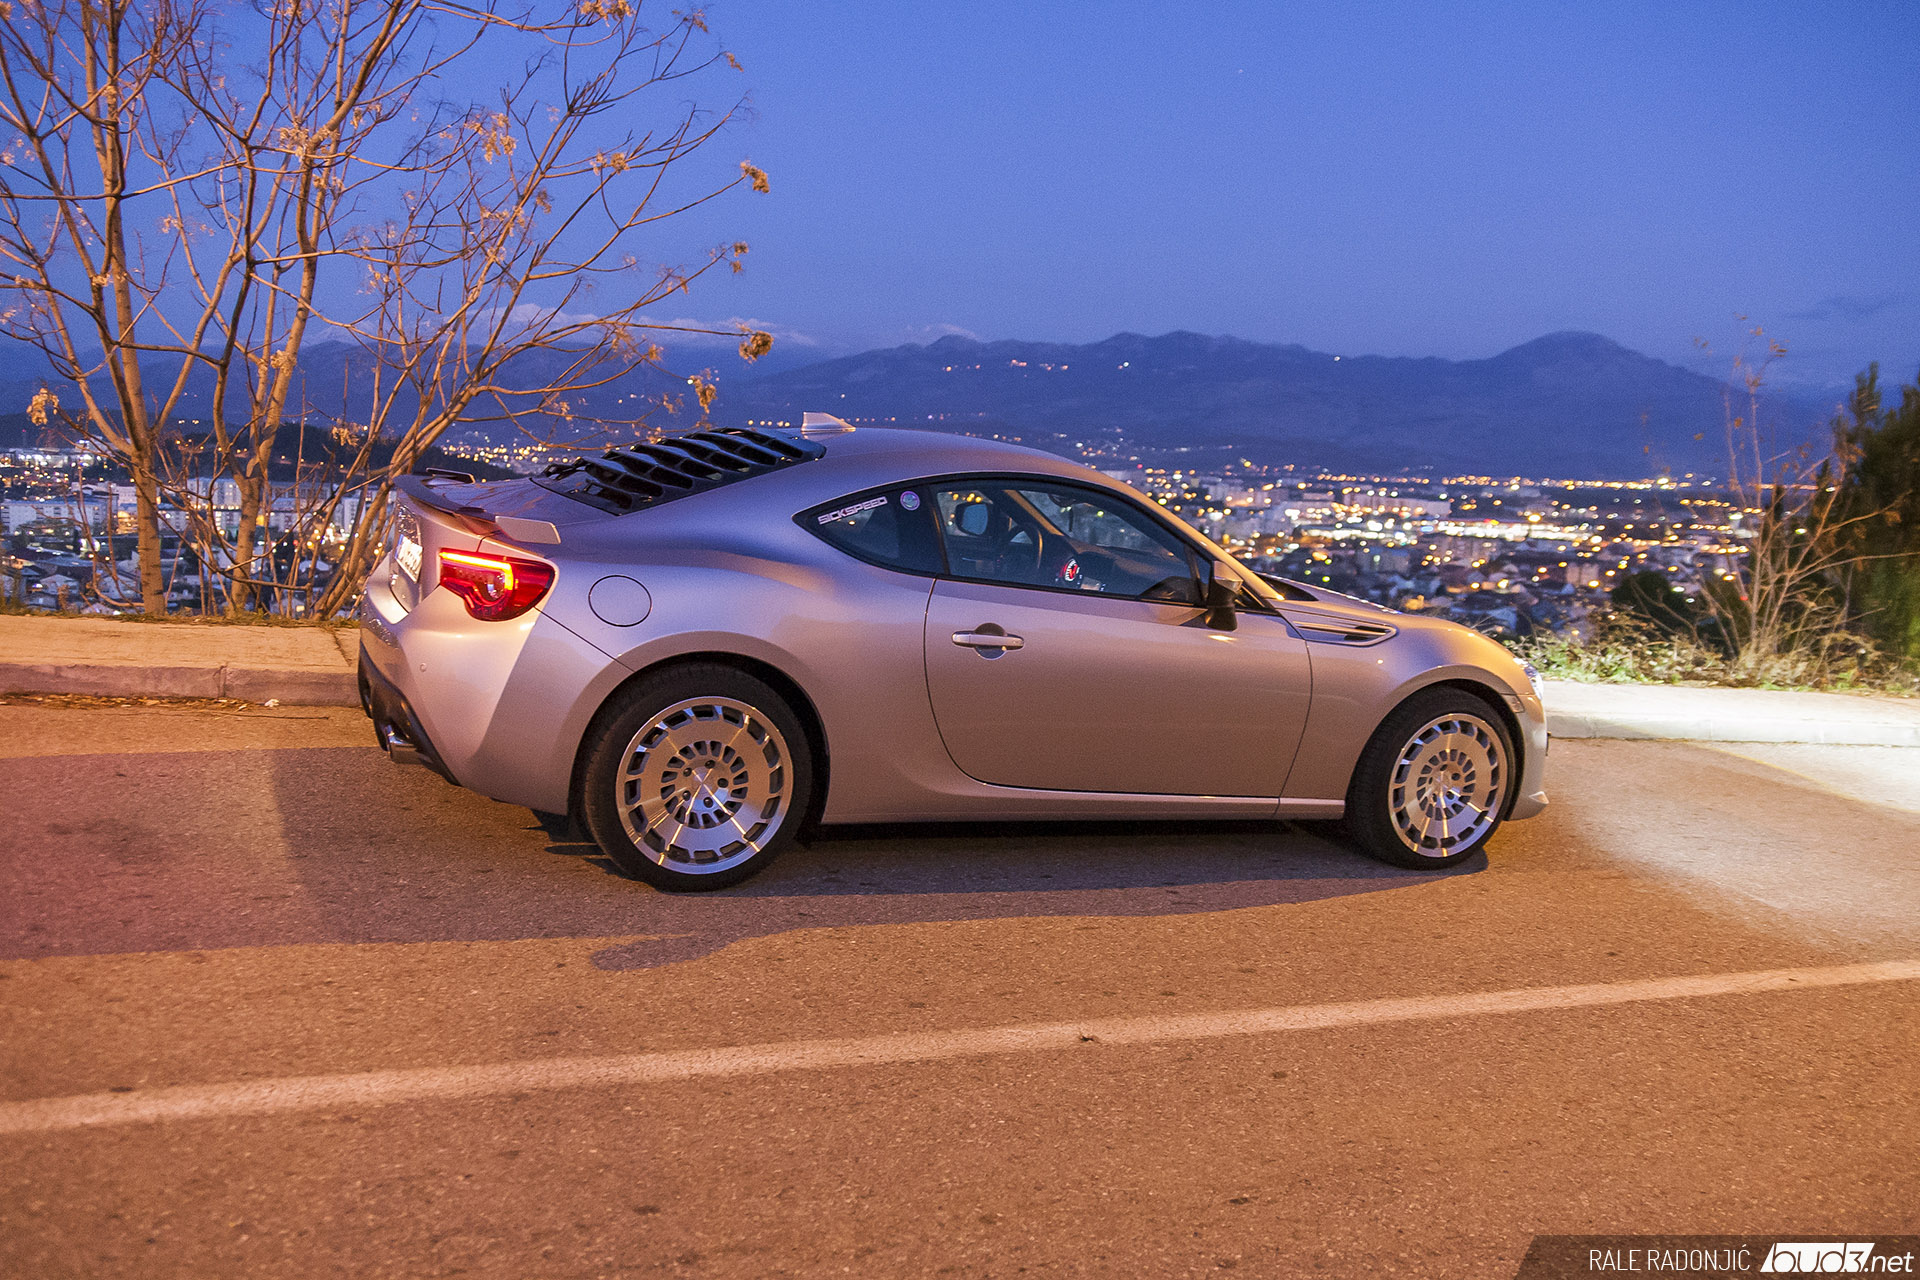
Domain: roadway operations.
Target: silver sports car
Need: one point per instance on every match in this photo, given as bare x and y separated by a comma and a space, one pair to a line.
700, 647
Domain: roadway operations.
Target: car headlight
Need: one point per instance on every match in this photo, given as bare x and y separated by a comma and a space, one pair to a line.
1533, 676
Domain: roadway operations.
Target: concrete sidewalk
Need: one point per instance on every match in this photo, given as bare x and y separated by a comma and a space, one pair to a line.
1728, 715
310, 666
314, 666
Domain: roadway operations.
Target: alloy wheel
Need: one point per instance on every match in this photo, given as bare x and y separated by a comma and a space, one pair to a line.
704, 784
1447, 785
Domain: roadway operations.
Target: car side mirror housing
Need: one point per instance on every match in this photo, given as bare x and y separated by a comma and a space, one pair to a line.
1219, 593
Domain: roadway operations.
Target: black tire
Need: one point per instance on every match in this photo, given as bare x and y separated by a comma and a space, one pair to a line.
1438, 753
722, 777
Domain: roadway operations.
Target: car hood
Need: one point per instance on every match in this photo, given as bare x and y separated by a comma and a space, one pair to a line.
1336, 602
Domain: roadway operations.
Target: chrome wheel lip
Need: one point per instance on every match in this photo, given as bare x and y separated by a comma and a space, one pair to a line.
704, 785
1447, 785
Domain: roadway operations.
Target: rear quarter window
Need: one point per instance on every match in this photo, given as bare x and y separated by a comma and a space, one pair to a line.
890, 528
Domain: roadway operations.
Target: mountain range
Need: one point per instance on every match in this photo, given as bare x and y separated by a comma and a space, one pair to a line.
1567, 404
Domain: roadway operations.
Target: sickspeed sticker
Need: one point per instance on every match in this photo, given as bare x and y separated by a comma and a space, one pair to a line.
854, 510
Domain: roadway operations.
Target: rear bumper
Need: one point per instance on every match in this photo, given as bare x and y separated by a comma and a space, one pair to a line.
395, 726
497, 707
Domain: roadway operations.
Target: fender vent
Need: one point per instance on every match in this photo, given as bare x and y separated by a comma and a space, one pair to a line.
629, 477
1328, 629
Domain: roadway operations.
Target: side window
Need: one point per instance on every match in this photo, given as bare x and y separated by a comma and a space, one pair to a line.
1045, 535
890, 529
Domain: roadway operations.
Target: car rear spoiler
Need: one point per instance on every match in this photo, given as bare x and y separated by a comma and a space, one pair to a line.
477, 521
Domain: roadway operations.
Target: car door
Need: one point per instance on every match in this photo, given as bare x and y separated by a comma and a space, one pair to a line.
1067, 650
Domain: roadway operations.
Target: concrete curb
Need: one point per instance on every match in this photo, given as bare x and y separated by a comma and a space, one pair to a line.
105, 657
254, 684
1676, 730
1682, 713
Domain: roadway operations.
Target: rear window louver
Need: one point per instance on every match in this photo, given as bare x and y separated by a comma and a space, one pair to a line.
629, 477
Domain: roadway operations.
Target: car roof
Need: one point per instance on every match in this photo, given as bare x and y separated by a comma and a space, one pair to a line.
851, 461
969, 452
869, 456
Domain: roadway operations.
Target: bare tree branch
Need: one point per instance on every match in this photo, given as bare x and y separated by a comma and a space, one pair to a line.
191, 195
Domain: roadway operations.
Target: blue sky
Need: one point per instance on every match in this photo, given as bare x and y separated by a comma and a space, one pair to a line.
1414, 179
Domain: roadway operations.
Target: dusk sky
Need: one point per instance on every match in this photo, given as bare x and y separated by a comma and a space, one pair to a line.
1406, 179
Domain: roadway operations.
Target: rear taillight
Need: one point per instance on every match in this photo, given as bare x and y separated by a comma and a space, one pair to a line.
494, 588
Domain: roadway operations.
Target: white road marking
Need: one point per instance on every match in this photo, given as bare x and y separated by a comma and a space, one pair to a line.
420, 1084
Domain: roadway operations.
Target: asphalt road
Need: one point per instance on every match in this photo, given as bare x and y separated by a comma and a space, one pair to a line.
271, 1006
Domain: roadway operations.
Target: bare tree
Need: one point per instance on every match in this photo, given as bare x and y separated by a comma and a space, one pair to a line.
73, 77
1778, 605
192, 195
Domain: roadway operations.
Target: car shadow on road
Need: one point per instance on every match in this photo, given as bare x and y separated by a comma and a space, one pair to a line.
336, 845
927, 872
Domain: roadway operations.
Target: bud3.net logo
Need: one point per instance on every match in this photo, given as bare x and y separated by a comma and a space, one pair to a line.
1835, 1258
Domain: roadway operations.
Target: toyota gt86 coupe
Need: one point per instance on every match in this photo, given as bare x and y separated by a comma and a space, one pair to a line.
701, 647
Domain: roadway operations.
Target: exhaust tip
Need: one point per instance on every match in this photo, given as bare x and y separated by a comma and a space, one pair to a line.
398, 749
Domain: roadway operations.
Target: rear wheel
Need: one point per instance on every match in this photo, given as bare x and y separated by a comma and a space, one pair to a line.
1434, 781
698, 778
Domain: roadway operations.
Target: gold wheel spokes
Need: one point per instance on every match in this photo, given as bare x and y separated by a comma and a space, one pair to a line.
704, 785
1447, 783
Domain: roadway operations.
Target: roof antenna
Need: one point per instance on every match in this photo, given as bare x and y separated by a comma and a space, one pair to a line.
823, 424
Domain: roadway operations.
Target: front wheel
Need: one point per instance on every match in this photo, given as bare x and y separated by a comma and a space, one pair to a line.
1434, 781
697, 778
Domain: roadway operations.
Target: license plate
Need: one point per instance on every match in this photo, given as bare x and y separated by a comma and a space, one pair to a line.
406, 554
406, 545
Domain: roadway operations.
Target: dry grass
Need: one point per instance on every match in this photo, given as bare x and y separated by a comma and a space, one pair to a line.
1623, 651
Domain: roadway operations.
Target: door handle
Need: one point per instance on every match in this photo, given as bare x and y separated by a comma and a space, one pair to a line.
987, 640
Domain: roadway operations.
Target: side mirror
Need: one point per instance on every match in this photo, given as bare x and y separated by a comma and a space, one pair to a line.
1219, 595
